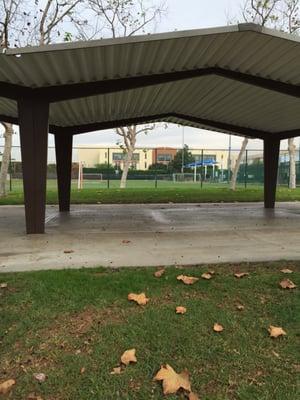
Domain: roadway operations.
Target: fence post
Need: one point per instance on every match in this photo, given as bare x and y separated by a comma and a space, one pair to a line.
246, 170
155, 168
108, 168
202, 158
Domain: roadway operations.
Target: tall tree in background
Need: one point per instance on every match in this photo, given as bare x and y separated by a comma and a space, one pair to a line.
120, 18
26, 23
283, 15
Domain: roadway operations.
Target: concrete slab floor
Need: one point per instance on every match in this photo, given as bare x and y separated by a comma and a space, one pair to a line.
150, 235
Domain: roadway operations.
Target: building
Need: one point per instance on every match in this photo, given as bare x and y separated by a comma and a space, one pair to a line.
90, 157
144, 158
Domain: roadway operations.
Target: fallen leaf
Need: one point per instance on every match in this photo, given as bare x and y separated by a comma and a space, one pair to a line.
211, 272
180, 310
82, 371
128, 356
218, 327
159, 273
188, 280
6, 386
40, 377
68, 251
276, 331
275, 354
193, 396
206, 275
140, 299
241, 274
33, 396
126, 241
116, 371
240, 307
286, 271
3, 285
172, 381
287, 284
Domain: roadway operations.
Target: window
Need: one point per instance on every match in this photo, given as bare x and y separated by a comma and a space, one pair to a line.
164, 157
145, 165
206, 157
121, 156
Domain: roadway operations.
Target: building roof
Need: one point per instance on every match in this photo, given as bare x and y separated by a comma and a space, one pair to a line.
242, 79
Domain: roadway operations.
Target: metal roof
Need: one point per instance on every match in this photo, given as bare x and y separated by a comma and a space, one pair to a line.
242, 79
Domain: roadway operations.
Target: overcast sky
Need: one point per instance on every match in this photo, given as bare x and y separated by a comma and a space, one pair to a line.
182, 14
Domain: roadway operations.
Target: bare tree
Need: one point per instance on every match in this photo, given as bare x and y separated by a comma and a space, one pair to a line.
119, 18
21, 24
283, 15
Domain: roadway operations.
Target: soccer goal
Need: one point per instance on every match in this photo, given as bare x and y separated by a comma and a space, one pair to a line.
88, 179
186, 177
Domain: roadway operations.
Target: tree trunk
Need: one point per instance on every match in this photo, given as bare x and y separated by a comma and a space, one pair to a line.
5, 157
127, 163
237, 164
292, 157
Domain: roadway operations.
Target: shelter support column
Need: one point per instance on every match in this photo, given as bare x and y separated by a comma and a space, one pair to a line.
33, 122
271, 159
63, 150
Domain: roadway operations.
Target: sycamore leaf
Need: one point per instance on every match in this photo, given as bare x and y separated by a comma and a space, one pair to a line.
128, 356
287, 284
140, 299
206, 275
116, 371
3, 285
276, 331
126, 241
193, 396
159, 273
241, 274
40, 377
180, 310
6, 386
218, 327
172, 381
286, 271
188, 280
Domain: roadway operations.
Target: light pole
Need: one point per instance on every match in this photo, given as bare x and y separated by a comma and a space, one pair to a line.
229, 159
182, 160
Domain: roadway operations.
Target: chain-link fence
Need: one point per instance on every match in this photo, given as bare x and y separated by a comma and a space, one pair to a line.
162, 167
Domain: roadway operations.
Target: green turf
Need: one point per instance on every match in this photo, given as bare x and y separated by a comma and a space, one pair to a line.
165, 192
58, 322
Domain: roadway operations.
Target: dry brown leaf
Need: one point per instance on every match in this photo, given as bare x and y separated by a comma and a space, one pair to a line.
140, 299
287, 284
3, 285
206, 275
82, 370
286, 271
159, 273
276, 331
126, 241
180, 310
241, 274
193, 396
6, 386
172, 381
218, 327
128, 356
40, 377
188, 280
116, 371
68, 251
240, 307
33, 396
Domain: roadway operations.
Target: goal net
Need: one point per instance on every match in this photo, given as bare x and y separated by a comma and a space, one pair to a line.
88, 180
186, 177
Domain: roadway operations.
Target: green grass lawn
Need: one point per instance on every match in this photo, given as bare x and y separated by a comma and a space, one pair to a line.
166, 192
58, 322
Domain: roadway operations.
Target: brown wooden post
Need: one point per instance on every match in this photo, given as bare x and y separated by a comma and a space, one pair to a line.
271, 159
63, 150
33, 122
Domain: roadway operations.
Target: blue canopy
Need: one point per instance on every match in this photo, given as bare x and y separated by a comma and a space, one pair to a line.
208, 162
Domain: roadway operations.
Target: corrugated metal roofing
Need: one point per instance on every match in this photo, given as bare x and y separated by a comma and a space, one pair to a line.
246, 48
